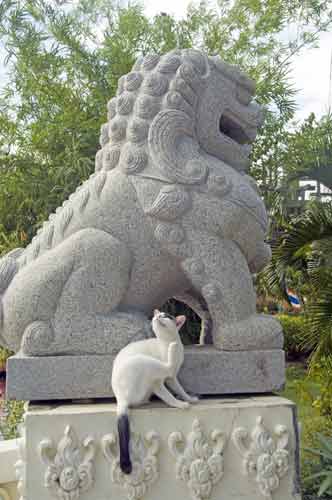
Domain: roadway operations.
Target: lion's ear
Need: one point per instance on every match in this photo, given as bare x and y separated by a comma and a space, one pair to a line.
173, 146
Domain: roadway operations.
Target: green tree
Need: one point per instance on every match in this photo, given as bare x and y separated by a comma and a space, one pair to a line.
302, 153
309, 151
64, 60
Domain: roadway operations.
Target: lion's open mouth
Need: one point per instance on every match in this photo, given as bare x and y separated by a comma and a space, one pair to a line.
232, 129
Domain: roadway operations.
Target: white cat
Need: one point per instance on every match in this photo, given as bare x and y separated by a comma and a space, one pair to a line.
142, 368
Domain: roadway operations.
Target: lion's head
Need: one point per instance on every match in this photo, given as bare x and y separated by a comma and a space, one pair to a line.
170, 109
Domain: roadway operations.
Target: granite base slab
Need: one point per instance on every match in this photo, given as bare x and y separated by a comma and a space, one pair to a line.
205, 371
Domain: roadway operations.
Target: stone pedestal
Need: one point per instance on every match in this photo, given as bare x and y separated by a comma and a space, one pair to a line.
234, 448
205, 371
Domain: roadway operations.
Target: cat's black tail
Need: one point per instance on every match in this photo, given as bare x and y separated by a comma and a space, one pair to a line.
124, 440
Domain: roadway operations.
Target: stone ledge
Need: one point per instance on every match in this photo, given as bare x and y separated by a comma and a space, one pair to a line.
233, 434
79, 377
9, 455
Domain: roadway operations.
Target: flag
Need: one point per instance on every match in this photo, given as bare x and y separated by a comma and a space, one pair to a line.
293, 299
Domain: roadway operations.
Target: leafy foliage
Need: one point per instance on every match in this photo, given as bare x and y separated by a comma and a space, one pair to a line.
303, 153
306, 247
11, 418
64, 60
294, 328
321, 373
309, 150
4, 355
303, 390
324, 453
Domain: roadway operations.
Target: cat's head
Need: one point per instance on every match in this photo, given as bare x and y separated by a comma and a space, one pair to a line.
166, 326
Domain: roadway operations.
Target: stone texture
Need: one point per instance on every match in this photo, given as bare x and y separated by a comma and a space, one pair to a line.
8, 491
167, 449
9, 455
205, 371
169, 212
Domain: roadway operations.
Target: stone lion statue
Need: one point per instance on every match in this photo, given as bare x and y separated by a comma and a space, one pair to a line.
169, 212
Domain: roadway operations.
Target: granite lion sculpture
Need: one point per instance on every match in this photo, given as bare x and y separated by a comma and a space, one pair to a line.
169, 212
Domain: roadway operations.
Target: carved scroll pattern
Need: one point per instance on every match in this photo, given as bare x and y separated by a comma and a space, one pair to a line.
265, 455
4, 495
200, 461
143, 454
70, 465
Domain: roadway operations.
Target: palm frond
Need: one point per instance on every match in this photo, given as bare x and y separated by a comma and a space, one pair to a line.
319, 333
299, 246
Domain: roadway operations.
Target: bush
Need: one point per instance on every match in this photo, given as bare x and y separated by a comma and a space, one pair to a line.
11, 418
319, 462
321, 373
324, 454
11, 412
301, 389
294, 327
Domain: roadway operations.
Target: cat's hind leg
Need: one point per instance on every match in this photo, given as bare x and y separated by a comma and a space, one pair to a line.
80, 284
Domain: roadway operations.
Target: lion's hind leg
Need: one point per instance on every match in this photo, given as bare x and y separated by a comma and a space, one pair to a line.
85, 318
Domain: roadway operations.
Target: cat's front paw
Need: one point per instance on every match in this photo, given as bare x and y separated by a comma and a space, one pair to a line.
193, 399
185, 405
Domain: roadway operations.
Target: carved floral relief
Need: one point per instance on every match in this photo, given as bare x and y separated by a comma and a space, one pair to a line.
200, 461
144, 457
70, 465
265, 455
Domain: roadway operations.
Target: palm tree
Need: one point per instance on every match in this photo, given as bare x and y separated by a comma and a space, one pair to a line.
305, 248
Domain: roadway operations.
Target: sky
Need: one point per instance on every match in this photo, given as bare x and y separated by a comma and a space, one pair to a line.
310, 74
311, 69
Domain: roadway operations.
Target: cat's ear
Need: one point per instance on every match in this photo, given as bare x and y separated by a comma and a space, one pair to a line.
180, 321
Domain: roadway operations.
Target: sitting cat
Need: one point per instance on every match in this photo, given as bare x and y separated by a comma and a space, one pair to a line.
142, 368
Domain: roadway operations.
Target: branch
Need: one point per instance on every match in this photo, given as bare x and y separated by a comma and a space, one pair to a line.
299, 47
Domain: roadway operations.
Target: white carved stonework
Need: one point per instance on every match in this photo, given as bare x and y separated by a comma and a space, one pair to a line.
200, 461
265, 455
20, 467
145, 466
4, 495
70, 465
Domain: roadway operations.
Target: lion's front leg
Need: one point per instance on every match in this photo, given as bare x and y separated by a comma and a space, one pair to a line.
219, 271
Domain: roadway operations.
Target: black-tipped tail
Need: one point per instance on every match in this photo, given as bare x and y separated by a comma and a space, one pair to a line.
124, 440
